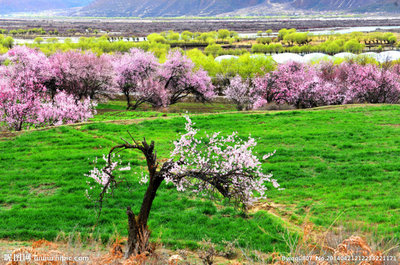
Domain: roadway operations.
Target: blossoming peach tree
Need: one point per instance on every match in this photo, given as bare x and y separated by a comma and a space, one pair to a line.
140, 76
28, 97
210, 165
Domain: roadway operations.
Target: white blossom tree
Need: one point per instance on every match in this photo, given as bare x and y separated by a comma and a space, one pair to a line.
223, 167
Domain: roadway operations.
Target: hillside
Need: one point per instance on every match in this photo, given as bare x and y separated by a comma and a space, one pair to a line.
7, 6
331, 4
156, 8
384, 6
165, 8
171, 8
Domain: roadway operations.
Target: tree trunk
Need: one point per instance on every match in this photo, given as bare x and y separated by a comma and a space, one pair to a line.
128, 100
138, 232
132, 232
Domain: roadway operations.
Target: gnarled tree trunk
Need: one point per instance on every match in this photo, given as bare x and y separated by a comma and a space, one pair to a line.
138, 232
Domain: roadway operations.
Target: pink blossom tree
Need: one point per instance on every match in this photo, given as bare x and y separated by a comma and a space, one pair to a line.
83, 74
238, 93
307, 86
370, 84
179, 79
24, 107
211, 165
138, 74
244, 94
134, 73
28, 68
297, 84
24, 98
18, 105
64, 109
265, 87
23, 86
303, 86
30, 64
333, 80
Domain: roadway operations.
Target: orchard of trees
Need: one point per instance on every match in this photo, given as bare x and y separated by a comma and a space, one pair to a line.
307, 86
36, 90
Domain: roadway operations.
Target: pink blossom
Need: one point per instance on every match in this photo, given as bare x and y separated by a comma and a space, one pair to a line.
179, 79
135, 76
139, 76
238, 92
65, 109
83, 74
27, 97
306, 86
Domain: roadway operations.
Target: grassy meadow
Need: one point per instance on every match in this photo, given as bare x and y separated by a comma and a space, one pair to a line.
339, 167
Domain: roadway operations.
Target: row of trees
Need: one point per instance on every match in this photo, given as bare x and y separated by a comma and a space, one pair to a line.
288, 40
299, 38
36, 90
307, 86
217, 50
371, 38
100, 45
188, 36
329, 47
32, 31
41, 31
246, 65
332, 45
300, 42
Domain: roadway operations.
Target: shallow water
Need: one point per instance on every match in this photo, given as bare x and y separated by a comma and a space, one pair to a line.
353, 29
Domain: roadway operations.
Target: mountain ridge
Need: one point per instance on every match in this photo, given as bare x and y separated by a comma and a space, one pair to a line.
176, 8
161, 8
169, 8
14, 6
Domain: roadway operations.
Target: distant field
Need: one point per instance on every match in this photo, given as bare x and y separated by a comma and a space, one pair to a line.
338, 165
143, 27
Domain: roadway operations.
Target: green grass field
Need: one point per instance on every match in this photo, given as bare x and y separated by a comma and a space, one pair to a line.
338, 165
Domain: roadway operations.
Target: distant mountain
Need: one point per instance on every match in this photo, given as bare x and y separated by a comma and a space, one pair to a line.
171, 8
293, 6
389, 6
166, 8
11, 6
350, 5
331, 4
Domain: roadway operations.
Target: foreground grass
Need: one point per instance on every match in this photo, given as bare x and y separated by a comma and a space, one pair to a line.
335, 164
